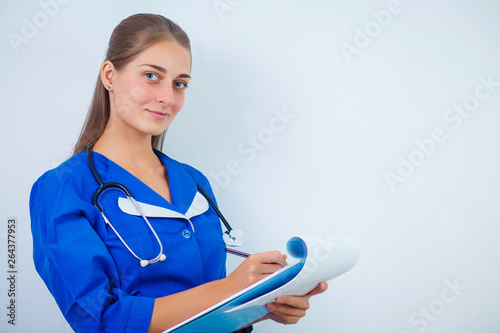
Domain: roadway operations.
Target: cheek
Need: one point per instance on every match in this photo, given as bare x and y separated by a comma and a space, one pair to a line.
130, 97
138, 94
179, 102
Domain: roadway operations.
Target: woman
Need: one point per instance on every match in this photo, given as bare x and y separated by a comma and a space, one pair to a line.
93, 276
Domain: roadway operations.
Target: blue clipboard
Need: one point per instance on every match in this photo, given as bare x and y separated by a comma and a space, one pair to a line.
219, 320
318, 258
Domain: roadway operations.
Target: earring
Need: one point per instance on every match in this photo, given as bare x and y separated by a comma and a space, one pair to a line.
108, 87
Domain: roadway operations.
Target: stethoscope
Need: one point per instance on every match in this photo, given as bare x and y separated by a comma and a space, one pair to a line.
231, 236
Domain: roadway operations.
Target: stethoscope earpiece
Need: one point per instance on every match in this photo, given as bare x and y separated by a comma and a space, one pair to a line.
145, 262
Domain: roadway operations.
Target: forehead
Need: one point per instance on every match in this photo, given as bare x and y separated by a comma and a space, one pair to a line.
167, 54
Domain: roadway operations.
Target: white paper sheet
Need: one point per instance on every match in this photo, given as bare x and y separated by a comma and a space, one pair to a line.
318, 258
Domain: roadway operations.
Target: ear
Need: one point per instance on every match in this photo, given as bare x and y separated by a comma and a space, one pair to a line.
107, 74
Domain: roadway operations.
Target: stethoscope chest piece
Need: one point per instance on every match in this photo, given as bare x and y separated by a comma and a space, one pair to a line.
234, 237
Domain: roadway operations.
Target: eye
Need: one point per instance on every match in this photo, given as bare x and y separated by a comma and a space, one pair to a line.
151, 76
180, 84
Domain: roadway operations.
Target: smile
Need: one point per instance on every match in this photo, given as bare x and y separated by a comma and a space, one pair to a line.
157, 114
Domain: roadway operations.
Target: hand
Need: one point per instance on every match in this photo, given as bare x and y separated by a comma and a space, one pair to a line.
255, 268
289, 309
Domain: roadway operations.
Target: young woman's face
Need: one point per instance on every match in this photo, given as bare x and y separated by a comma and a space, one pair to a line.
148, 93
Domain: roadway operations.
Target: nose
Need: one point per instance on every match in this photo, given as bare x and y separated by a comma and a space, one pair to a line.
166, 96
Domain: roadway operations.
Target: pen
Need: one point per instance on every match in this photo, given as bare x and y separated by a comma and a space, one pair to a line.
237, 253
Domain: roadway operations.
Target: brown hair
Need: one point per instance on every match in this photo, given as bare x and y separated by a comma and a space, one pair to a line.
132, 36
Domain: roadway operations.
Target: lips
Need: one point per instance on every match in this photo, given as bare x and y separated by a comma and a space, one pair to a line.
157, 114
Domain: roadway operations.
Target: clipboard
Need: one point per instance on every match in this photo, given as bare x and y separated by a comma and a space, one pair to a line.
316, 259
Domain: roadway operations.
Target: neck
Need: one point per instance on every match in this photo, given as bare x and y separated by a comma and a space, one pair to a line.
130, 150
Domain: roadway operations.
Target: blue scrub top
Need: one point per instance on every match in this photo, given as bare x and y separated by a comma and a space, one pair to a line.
97, 283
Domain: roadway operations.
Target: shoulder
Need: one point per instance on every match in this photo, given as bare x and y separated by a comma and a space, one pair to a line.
71, 174
73, 168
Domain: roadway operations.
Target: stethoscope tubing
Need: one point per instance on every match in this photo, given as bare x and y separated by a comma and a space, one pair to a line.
102, 186
214, 206
231, 237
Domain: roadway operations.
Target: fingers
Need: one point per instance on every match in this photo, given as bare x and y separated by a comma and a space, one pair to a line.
271, 257
289, 309
265, 263
322, 287
286, 314
301, 302
255, 268
263, 269
275, 318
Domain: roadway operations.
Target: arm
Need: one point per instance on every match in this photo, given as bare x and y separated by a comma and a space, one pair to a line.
76, 265
173, 309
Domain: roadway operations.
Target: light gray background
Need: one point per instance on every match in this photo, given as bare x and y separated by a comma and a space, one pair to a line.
353, 119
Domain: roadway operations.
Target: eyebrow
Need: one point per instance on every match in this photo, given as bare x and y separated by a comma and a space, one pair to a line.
163, 70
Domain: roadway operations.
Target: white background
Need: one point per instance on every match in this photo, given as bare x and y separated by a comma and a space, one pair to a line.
353, 119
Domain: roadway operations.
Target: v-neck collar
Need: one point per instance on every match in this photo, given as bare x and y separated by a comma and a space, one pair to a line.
183, 187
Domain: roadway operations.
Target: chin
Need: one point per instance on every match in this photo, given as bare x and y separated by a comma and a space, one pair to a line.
158, 131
